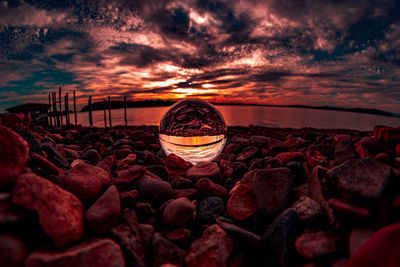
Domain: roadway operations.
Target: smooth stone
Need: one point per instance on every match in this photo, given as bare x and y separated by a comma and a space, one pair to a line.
159, 170
190, 193
107, 163
87, 181
246, 238
9, 216
13, 156
146, 234
319, 244
308, 211
61, 217
181, 183
178, 212
381, 249
155, 190
357, 238
360, 179
179, 236
55, 157
286, 157
209, 209
41, 162
272, 189
173, 161
298, 171
278, 240
34, 144
204, 169
208, 188
12, 251
248, 153
259, 140
348, 210
96, 252
242, 201
344, 150
165, 251
92, 156
213, 248
105, 211
126, 179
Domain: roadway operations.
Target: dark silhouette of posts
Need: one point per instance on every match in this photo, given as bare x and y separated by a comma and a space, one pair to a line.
55, 108
49, 111
109, 111
59, 104
126, 121
76, 120
105, 114
66, 108
90, 111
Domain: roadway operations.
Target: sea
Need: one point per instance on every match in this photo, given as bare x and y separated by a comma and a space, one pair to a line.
283, 117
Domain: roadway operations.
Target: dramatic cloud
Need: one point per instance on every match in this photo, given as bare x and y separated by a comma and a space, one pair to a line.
314, 52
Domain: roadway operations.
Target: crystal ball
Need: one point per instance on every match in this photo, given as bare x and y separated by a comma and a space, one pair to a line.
194, 130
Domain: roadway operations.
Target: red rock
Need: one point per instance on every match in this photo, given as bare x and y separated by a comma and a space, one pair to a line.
397, 150
178, 212
179, 236
55, 137
43, 163
92, 156
384, 158
60, 212
208, 188
213, 248
397, 162
12, 251
362, 151
314, 158
107, 162
96, 252
105, 211
272, 189
259, 140
146, 234
126, 178
348, 210
173, 161
344, 150
231, 148
308, 211
14, 152
71, 153
248, 153
315, 245
165, 251
86, 181
227, 168
357, 238
9, 216
360, 180
239, 234
129, 160
204, 169
381, 249
209, 209
155, 190
388, 134
290, 156
242, 201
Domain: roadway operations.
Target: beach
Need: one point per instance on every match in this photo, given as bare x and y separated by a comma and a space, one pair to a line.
88, 196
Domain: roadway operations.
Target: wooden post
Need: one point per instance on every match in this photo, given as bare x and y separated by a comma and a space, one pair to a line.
59, 104
109, 111
49, 111
76, 120
126, 121
90, 111
55, 108
66, 108
105, 114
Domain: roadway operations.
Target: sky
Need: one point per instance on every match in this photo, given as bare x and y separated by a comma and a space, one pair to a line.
308, 52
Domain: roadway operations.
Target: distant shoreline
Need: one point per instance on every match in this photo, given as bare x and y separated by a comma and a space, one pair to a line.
166, 103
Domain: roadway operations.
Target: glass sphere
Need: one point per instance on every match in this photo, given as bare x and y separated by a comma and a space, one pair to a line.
194, 130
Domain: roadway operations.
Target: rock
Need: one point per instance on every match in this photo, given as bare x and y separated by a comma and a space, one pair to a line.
213, 248
96, 252
388, 134
8, 215
70, 153
92, 156
357, 238
242, 201
176, 166
61, 217
181, 183
344, 150
278, 240
155, 190
107, 163
105, 211
146, 234
286, 157
259, 140
348, 210
203, 169
360, 179
308, 211
12, 251
239, 169
272, 189
128, 235
55, 157
190, 193
178, 212
241, 236
166, 252
298, 171
14, 152
34, 144
40, 162
314, 158
179, 236
86, 181
248, 153
209, 209
127, 178
226, 168
159, 170
123, 153
381, 249
208, 188
319, 244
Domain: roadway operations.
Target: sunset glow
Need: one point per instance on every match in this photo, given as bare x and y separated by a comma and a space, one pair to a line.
268, 52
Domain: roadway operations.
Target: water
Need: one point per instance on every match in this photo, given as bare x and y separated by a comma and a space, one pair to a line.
194, 130
255, 115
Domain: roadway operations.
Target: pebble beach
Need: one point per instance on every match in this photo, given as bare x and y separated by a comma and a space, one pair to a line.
86, 196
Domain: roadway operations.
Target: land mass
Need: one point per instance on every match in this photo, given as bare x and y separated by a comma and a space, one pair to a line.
165, 103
